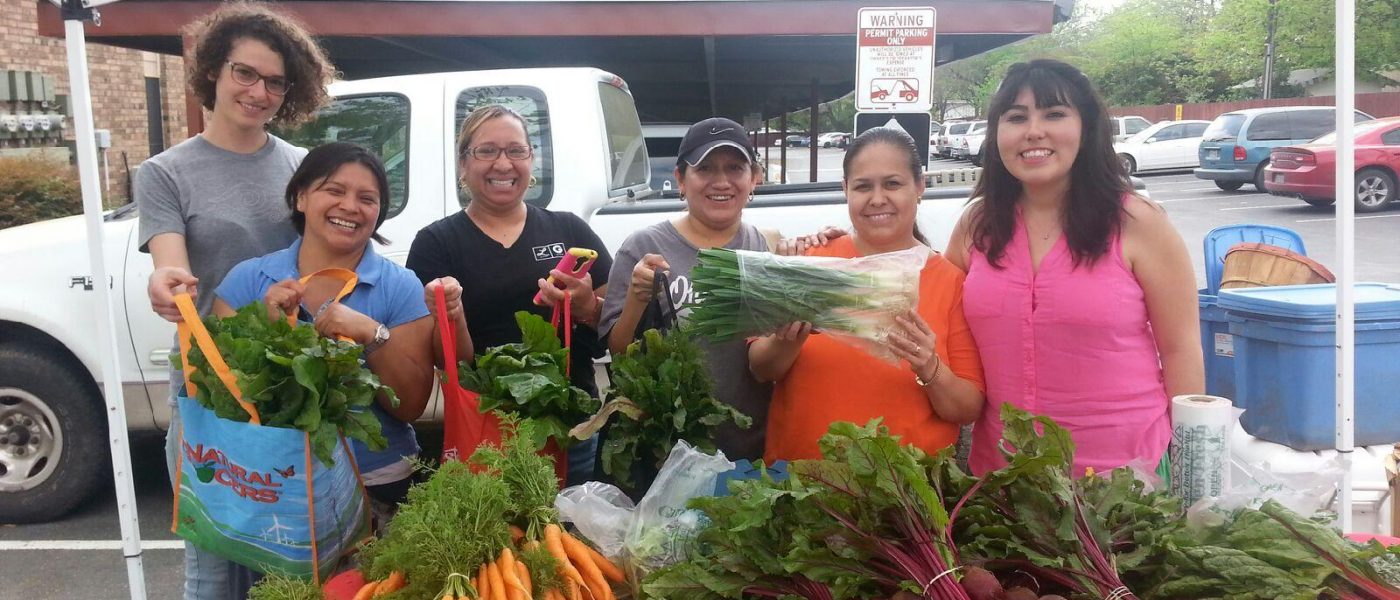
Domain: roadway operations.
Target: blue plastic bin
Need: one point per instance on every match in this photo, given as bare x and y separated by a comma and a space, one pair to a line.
1218, 242
1285, 362
1218, 347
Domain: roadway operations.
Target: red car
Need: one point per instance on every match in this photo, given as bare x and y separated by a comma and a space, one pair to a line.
1308, 171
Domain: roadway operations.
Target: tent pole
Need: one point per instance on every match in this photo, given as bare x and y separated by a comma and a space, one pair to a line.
74, 15
1346, 248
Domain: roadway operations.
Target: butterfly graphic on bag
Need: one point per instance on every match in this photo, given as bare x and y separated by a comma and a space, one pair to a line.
289, 472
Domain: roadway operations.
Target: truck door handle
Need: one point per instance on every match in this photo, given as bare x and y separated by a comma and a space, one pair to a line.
160, 358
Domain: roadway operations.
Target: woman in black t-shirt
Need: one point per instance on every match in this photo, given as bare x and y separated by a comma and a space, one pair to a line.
493, 257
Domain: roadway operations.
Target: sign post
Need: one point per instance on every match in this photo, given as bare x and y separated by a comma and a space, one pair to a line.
917, 124
894, 59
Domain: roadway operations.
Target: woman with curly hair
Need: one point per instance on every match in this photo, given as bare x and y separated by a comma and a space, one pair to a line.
216, 199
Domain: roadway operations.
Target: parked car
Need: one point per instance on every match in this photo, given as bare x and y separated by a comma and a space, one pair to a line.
972, 146
945, 137
1235, 148
958, 143
1165, 145
834, 139
1124, 127
1308, 171
793, 141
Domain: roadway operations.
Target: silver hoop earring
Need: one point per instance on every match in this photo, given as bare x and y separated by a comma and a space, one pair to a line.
533, 182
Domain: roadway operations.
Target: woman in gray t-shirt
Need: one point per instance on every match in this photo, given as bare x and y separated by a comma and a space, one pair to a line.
217, 199
717, 173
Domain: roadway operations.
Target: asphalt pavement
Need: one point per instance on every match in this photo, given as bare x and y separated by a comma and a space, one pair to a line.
80, 555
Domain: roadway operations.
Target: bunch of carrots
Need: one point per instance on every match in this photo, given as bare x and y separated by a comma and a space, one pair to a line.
585, 574
487, 530
374, 589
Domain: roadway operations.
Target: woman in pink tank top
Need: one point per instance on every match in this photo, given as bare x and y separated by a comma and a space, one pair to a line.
1080, 294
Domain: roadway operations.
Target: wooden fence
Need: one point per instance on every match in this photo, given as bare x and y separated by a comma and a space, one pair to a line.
1382, 104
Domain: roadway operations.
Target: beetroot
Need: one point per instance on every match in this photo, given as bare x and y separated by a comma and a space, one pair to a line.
981, 584
1020, 593
1052, 597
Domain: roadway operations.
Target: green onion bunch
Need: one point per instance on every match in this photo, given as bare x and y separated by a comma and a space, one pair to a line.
745, 293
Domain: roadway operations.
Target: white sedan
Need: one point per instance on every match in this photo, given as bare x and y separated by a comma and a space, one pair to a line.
1165, 145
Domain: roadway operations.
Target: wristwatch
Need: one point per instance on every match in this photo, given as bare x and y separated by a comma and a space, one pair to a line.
381, 336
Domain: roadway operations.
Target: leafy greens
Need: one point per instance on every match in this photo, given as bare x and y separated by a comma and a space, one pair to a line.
296, 379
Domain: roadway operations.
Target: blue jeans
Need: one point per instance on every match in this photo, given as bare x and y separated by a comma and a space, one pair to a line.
582, 461
207, 575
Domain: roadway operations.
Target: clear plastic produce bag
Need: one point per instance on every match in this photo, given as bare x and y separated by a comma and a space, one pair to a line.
659, 530
854, 299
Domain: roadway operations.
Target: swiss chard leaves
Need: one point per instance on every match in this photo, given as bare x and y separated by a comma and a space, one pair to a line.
294, 377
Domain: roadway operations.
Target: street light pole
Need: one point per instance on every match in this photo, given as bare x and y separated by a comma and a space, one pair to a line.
1269, 52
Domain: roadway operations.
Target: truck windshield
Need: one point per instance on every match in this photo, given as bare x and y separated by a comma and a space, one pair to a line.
627, 151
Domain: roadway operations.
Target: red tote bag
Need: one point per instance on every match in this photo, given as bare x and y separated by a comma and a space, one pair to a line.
464, 426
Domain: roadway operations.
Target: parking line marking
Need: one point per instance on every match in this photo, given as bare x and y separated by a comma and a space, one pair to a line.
1357, 218
1194, 198
1265, 206
89, 545
1196, 189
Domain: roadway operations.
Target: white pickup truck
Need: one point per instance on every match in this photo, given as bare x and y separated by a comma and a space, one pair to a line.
591, 160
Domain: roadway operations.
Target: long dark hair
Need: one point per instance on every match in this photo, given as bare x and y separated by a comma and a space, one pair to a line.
323, 162
1094, 205
898, 139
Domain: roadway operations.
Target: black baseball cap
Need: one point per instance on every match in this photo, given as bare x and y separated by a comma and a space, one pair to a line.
710, 134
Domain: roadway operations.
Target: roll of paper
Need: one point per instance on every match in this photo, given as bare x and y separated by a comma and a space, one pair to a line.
1200, 448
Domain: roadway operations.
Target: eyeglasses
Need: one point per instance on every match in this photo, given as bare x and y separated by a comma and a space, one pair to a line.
246, 75
492, 152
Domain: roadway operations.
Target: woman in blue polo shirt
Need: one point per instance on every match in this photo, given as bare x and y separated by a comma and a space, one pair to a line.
338, 197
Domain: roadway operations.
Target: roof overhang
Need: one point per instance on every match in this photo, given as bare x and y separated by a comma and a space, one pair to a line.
683, 59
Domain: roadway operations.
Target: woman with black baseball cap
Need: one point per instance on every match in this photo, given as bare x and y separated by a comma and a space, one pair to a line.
716, 173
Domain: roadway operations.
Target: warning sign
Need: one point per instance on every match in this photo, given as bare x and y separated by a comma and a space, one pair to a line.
894, 59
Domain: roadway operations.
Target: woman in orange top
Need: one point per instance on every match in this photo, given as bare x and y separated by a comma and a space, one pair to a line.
937, 385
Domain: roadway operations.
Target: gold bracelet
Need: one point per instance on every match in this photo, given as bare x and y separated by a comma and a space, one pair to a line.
932, 378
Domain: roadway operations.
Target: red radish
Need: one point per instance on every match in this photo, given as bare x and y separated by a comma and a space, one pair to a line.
981, 584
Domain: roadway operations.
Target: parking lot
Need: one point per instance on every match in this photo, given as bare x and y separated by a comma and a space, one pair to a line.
1196, 206
80, 556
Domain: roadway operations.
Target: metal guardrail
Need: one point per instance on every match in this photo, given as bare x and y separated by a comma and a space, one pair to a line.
965, 177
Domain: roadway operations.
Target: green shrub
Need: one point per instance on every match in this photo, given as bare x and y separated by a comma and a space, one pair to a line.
37, 188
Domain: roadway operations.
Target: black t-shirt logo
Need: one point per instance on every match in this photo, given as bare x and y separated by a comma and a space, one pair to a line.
549, 252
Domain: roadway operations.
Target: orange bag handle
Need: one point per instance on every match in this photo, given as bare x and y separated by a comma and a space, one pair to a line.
350, 278
191, 325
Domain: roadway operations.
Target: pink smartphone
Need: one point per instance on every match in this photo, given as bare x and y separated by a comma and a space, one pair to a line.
575, 262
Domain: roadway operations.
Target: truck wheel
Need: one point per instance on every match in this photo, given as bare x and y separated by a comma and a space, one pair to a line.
1374, 189
53, 436
1229, 186
1129, 164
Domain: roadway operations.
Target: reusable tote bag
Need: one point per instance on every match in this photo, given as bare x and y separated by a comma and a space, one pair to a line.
257, 495
464, 426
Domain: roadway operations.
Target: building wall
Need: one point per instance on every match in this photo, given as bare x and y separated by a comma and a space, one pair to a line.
118, 86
